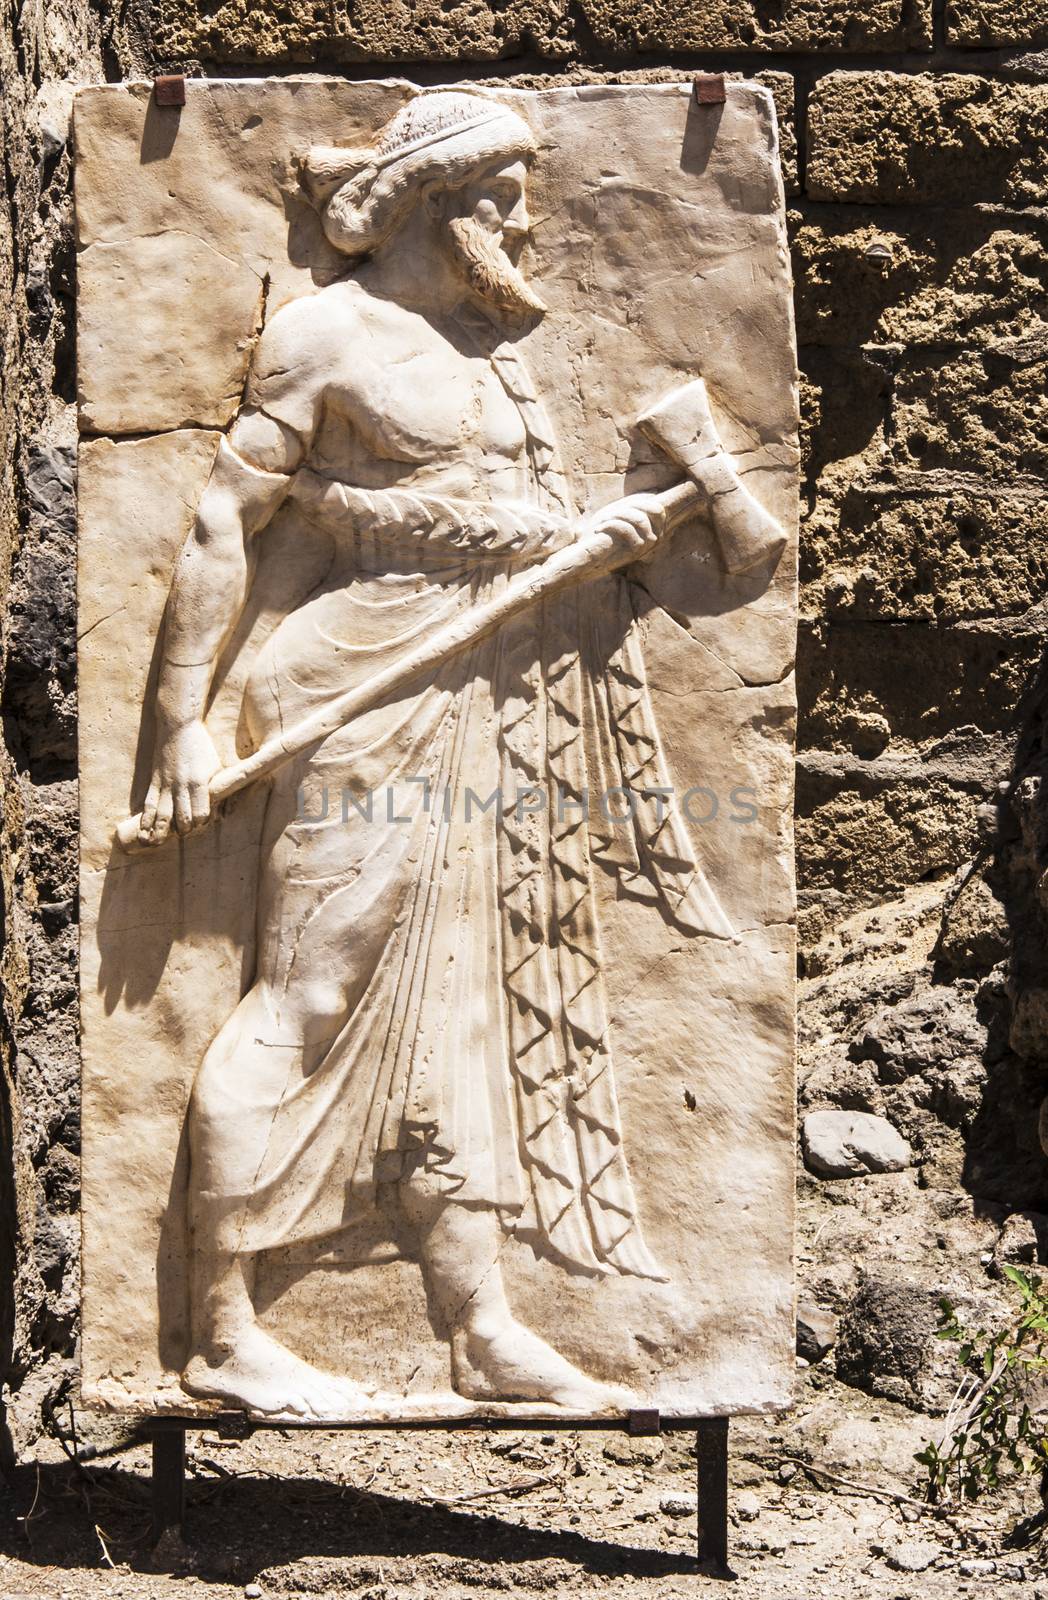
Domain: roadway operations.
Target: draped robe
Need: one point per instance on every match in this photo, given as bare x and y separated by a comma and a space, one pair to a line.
475, 1039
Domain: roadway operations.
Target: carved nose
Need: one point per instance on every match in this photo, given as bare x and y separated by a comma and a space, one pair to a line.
518, 224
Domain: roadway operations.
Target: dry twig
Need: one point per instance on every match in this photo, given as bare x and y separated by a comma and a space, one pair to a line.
27, 1519
106, 1557
494, 1489
816, 1471
966, 1404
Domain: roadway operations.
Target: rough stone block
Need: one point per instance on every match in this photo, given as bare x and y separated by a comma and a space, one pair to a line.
975, 934
996, 22
986, 409
807, 25
816, 1331
917, 278
954, 139
40, 675
372, 30
912, 1555
482, 30
863, 684
868, 830
932, 548
1024, 1240
887, 1345
1004, 1160
929, 1033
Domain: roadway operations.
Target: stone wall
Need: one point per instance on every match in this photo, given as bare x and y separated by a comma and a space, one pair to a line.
913, 141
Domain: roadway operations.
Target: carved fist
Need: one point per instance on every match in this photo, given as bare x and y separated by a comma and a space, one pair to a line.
185, 762
632, 526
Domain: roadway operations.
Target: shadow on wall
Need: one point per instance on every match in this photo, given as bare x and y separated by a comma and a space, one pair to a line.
1005, 1161
8, 1242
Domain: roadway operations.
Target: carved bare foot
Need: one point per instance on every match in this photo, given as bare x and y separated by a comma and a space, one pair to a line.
508, 1362
261, 1376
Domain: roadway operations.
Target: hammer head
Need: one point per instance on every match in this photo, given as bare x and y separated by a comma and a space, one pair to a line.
682, 425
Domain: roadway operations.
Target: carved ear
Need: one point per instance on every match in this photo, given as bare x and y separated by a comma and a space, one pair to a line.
325, 168
434, 197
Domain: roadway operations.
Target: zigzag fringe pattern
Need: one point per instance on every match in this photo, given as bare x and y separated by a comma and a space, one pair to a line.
567, 1107
592, 1105
667, 860
532, 986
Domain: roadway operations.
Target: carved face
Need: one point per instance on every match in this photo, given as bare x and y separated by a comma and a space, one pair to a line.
498, 203
487, 224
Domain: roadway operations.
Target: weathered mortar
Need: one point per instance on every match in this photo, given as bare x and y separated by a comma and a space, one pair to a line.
917, 179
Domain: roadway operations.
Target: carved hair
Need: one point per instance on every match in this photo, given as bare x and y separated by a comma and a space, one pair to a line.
437, 140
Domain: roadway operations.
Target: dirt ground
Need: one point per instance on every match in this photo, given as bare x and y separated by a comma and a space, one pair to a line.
416, 1516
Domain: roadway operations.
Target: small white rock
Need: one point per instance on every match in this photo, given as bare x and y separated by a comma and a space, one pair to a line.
679, 1505
846, 1144
252, 1592
747, 1506
977, 1569
912, 1555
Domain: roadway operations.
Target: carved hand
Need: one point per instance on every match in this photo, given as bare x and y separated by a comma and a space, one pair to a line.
184, 763
612, 537
632, 527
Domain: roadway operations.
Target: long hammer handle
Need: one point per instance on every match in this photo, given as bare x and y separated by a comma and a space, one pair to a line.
566, 566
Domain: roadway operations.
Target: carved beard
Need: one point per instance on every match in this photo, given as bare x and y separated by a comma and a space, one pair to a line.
487, 269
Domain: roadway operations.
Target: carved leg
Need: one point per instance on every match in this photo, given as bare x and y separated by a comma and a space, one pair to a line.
238, 1362
493, 1356
234, 1360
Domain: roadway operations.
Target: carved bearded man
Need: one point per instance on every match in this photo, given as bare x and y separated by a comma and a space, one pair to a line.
426, 1030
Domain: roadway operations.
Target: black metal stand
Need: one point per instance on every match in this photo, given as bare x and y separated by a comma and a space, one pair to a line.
169, 1479
711, 1438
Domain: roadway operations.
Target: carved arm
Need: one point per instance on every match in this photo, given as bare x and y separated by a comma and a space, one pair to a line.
495, 529
207, 595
